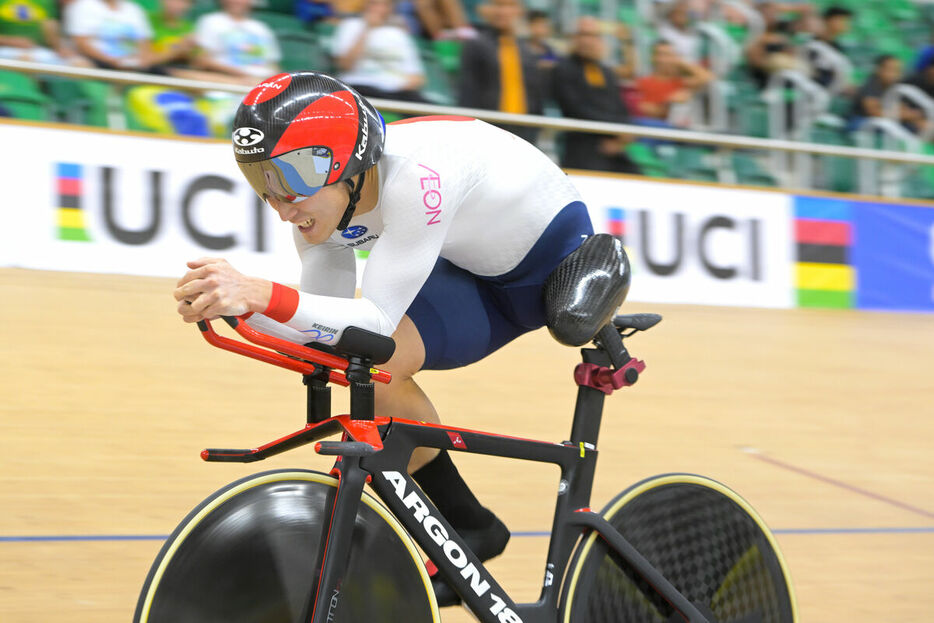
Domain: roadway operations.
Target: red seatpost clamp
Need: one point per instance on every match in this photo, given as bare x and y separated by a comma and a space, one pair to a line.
607, 380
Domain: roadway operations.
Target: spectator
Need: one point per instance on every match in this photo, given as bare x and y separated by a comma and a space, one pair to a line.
673, 81
626, 68
30, 32
677, 29
443, 19
836, 23
924, 78
377, 56
772, 51
234, 45
113, 34
585, 88
173, 43
925, 56
539, 35
499, 71
868, 100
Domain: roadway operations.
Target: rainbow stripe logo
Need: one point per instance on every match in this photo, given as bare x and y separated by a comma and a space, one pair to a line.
70, 216
616, 223
825, 276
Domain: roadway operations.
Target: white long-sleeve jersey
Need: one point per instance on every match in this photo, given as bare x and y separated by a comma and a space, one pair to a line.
449, 187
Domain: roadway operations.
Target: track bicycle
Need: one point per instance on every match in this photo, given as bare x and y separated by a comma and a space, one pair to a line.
298, 545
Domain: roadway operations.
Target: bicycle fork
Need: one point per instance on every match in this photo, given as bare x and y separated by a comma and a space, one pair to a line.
325, 593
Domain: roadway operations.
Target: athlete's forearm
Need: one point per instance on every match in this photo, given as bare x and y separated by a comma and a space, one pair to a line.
324, 318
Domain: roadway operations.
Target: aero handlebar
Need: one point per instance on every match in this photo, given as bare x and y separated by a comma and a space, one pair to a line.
289, 356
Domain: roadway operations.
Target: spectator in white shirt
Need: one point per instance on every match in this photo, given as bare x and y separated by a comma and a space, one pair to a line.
113, 34
377, 56
678, 29
235, 45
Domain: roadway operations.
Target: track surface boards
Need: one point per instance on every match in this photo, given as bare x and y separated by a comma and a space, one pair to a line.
108, 398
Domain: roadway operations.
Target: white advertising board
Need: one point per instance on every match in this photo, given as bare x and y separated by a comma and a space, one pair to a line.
697, 244
100, 202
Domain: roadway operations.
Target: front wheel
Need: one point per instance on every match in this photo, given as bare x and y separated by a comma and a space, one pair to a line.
248, 554
703, 538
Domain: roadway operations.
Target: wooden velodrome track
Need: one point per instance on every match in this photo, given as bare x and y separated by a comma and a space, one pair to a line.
107, 398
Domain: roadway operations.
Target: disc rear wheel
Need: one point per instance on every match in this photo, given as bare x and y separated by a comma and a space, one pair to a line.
703, 538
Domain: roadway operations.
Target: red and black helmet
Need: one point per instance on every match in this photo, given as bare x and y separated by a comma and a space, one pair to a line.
297, 132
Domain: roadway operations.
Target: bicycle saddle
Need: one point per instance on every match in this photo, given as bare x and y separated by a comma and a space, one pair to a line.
584, 291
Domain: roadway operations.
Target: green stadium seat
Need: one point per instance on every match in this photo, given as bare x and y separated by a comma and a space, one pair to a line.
302, 50
83, 102
438, 88
150, 6
920, 183
280, 23
448, 52
749, 172
644, 156
20, 95
691, 162
736, 32
629, 15
284, 7
203, 7
834, 172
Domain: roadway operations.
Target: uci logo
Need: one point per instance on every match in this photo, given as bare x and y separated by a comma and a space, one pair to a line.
244, 137
354, 232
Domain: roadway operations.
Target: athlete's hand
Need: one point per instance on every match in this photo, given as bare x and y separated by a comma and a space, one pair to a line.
213, 288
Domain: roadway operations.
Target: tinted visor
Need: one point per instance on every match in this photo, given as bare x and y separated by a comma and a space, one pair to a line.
298, 173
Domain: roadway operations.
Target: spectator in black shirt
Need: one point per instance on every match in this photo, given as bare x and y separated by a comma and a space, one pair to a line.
499, 71
585, 88
539, 35
868, 100
837, 22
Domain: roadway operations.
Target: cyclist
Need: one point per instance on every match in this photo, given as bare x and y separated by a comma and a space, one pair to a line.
463, 223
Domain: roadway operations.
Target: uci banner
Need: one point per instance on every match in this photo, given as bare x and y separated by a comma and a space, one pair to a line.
697, 244
91, 201
95, 201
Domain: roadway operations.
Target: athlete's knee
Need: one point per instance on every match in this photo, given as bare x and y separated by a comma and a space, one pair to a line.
409, 354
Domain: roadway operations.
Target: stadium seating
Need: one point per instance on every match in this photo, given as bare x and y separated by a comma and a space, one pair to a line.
20, 95
897, 27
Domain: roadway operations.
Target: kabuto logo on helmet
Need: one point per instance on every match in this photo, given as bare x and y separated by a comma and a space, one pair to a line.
364, 137
245, 137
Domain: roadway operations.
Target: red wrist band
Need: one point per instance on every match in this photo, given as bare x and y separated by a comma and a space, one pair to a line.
282, 304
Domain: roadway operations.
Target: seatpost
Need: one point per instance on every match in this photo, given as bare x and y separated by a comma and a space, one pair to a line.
362, 396
588, 410
612, 343
319, 398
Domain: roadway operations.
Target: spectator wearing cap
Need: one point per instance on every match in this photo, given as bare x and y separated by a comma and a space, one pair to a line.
499, 71
586, 88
